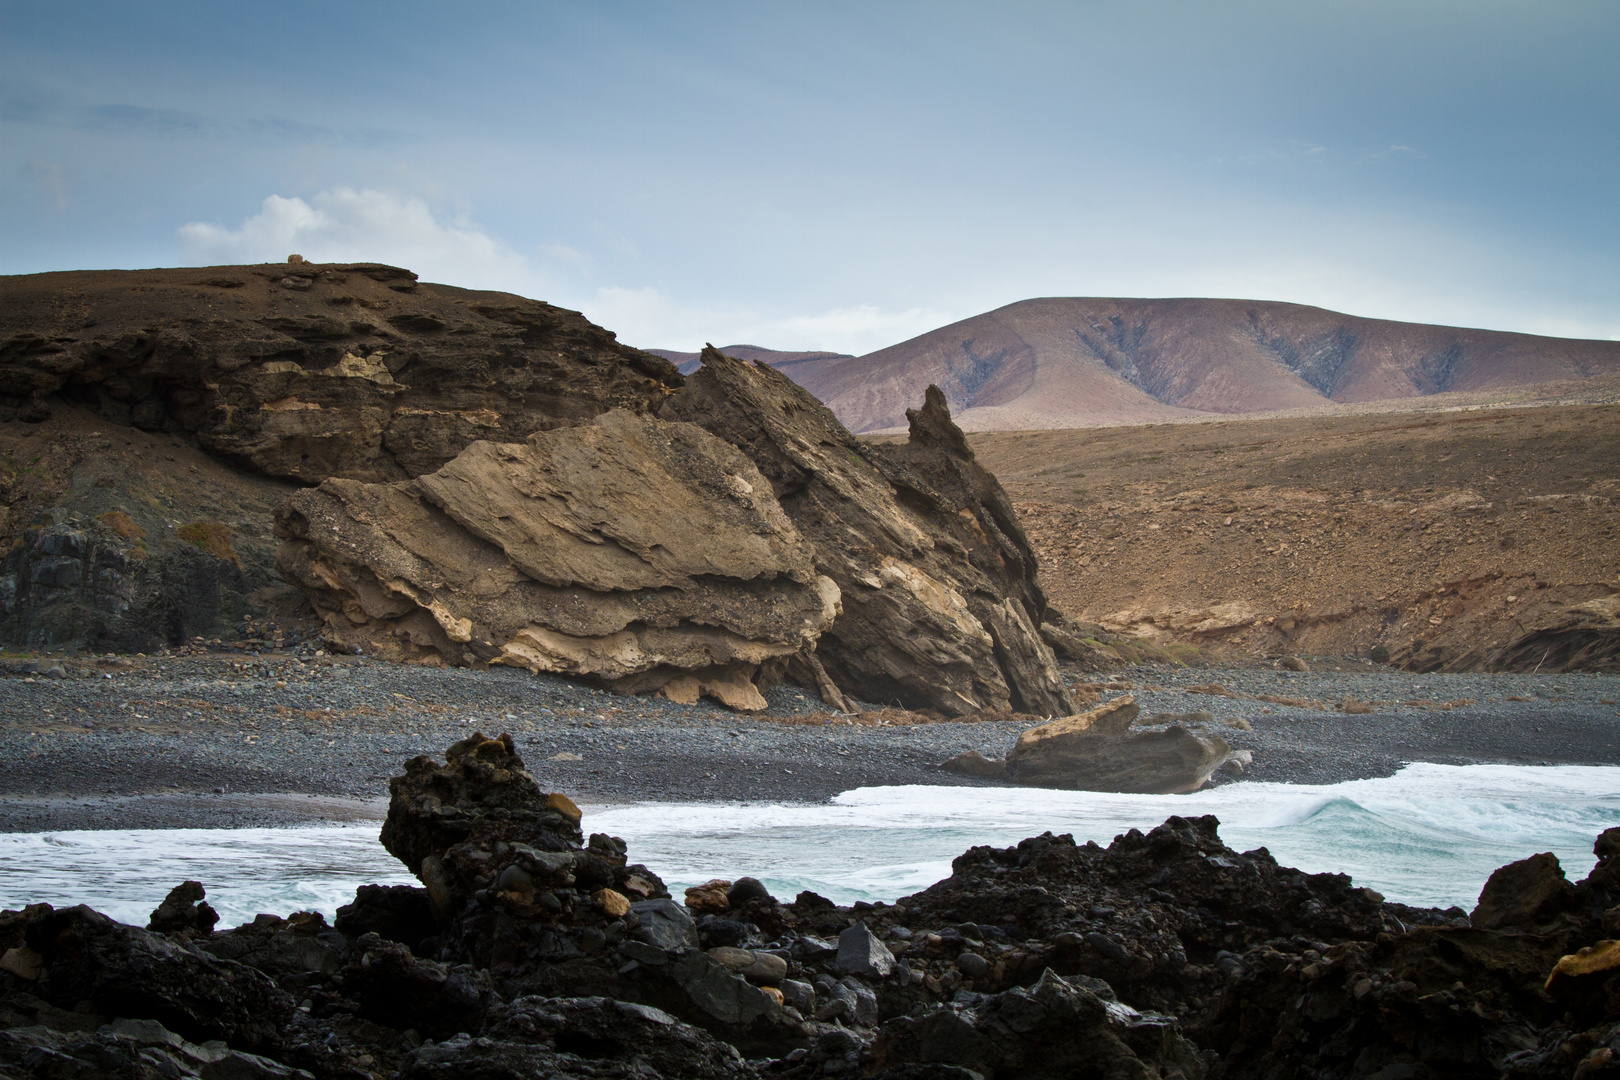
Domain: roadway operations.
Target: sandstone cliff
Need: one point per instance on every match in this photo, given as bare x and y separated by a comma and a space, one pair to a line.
307, 371
941, 605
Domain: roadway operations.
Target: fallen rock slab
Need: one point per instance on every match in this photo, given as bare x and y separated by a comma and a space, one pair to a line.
1097, 751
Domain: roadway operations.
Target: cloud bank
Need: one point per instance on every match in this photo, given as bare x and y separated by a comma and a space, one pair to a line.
348, 225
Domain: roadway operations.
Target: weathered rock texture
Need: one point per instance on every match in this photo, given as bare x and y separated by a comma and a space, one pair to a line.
1097, 751
309, 371
941, 605
1164, 955
629, 551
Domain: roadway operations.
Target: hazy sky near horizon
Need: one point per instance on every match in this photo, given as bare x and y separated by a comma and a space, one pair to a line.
838, 175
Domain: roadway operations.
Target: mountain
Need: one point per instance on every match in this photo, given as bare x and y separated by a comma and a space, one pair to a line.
1075, 362
688, 362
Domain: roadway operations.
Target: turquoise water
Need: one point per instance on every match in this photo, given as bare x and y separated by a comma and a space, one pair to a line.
1430, 835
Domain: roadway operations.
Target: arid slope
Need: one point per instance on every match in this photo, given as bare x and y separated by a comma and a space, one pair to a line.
1448, 539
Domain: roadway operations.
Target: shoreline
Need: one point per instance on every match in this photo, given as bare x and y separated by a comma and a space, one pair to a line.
232, 742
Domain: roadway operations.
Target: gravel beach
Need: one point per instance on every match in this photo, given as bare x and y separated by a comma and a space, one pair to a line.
225, 740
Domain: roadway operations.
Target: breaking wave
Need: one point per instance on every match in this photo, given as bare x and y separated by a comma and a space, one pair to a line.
1429, 835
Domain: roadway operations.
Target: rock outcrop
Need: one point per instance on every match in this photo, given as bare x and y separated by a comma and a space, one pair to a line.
309, 371
1164, 955
630, 551
942, 609
1097, 751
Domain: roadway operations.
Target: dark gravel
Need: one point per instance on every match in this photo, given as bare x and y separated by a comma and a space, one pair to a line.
222, 740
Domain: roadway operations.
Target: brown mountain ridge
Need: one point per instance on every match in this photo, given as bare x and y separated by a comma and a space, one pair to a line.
1079, 362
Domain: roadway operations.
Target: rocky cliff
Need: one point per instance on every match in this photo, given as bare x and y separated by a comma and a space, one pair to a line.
307, 371
491, 480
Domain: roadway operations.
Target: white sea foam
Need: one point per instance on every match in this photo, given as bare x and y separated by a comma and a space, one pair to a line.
1431, 834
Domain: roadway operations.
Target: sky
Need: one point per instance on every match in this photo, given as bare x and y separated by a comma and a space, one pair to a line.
829, 175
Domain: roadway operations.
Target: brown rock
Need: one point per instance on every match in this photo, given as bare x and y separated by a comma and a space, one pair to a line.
629, 551
563, 805
940, 603
1110, 718
710, 896
312, 371
614, 904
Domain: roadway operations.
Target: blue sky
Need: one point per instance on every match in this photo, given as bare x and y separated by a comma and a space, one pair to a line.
838, 175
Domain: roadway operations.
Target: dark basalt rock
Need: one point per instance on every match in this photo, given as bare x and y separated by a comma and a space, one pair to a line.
184, 911
1165, 954
124, 971
941, 608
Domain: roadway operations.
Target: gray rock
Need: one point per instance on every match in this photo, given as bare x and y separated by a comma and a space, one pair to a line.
729, 998
973, 965
861, 953
799, 995
643, 953
666, 924
1108, 947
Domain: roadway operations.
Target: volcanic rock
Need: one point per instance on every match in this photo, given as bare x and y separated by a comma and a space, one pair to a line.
308, 370
124, 971
941, 607
184, 911
1053, 1029
628, 550
580, 1037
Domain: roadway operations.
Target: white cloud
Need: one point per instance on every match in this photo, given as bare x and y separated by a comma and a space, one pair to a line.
648, 318
345, 225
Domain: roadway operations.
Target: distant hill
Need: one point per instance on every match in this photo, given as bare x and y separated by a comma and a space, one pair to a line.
687, 362
1075, 362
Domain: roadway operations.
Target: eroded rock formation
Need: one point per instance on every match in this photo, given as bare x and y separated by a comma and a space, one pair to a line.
629, 550
307, 370
941, 605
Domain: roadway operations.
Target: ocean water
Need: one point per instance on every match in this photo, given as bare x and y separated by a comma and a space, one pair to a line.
1429, 835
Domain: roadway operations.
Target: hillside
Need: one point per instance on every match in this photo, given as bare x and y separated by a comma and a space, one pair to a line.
1460, 540
1077, 362
687, 362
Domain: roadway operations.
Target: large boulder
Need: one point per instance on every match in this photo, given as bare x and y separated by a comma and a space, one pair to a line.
630, 551
309, 371
1097, 751
125, 971
941, 608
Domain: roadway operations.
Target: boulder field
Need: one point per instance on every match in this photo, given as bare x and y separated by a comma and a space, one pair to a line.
533, 950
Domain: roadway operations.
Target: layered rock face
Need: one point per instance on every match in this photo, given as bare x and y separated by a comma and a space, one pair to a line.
630, 551
941, 606
309, 371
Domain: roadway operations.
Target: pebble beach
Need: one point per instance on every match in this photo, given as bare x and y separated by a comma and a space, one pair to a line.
225, 740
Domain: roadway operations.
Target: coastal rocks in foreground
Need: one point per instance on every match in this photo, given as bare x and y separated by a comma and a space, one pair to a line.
528, 953
629, 551
1097, 751
941, 608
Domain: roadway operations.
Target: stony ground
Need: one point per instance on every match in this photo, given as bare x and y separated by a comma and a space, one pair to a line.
223, 740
